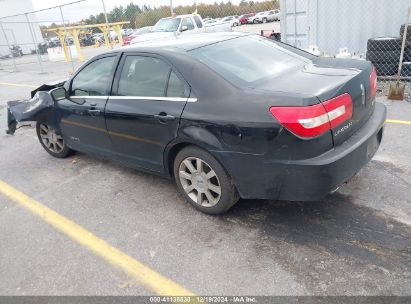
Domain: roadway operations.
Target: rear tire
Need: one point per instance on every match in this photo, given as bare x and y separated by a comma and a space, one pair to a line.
384, 56
408, 31
384, 44
407, 54
52, 142
386, 69
406, 69
203, 181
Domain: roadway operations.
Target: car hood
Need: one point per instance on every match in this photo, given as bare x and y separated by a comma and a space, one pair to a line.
152, 36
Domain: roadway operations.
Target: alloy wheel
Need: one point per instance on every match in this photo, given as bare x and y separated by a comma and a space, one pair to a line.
51, 140
200, 182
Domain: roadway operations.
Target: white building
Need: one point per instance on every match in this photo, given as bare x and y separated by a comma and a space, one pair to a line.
334, 24
16, 28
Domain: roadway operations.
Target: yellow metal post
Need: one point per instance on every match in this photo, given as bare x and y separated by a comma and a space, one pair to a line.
104, 29
117, 28
61, 34
75, 32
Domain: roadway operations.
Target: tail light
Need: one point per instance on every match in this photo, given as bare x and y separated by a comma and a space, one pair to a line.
312, 121
373, 82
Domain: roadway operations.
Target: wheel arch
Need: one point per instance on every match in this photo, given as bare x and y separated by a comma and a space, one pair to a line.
176, 146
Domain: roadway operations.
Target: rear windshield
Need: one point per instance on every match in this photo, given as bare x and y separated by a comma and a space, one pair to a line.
248, 60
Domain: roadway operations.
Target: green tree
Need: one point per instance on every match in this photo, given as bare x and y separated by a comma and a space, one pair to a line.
130, 12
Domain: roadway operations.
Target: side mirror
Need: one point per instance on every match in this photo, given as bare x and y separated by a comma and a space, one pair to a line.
58, 93
184, 28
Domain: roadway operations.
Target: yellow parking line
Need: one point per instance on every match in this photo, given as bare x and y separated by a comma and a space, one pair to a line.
146, 276
18, 85
405, 122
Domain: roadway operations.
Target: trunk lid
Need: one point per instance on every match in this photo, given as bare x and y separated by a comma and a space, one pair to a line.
325, 79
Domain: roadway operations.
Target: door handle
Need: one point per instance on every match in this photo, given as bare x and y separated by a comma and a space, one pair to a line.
94, 112
163, 117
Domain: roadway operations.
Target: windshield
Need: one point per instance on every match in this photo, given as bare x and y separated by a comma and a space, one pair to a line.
167, 25
248, 60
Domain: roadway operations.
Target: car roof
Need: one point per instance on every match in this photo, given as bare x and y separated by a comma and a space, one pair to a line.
182, 43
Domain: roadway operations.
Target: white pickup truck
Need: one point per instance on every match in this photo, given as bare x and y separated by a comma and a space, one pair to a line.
171, 27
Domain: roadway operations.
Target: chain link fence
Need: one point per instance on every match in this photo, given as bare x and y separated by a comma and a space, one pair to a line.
62, 37
36, 40
366, 29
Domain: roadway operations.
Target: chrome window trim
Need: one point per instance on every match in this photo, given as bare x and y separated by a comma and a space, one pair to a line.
163, 98
90, 97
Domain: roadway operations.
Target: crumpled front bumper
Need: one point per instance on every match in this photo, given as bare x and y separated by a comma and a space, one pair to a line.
38, 108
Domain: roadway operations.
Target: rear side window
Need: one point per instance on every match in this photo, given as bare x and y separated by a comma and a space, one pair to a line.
247, 60
198, 21
94, 78
176, 87
188, 23
143, 76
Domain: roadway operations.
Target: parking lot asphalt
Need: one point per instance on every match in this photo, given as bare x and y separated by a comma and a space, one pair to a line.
354, 242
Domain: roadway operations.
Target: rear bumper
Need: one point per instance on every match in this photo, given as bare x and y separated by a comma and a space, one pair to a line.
308, 179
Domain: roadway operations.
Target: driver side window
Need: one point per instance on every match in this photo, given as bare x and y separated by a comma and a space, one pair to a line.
94, 78
188, 23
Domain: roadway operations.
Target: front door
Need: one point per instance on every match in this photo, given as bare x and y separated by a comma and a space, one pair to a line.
144, 112
82, 113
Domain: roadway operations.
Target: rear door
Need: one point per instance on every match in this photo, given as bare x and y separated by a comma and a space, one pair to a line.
143, 113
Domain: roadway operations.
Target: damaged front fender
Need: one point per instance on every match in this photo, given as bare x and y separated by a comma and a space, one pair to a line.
40, 108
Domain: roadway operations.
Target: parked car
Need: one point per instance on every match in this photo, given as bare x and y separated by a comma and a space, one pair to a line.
262, 17
244, 18
171, 27
127, 32
211, 22
98, 35
16, 51
271, 16
140, 31
87, 40
42, 48
222, 121
233, 20
254, 19
5, 56
277, 15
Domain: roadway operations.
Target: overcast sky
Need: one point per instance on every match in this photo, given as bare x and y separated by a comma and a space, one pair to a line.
78, 11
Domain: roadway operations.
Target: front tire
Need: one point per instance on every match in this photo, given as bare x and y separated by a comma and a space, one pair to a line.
52, 142
203, 181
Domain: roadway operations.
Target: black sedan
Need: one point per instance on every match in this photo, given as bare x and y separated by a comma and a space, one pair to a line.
227, 115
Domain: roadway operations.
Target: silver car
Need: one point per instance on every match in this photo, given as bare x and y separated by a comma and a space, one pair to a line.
267, 16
